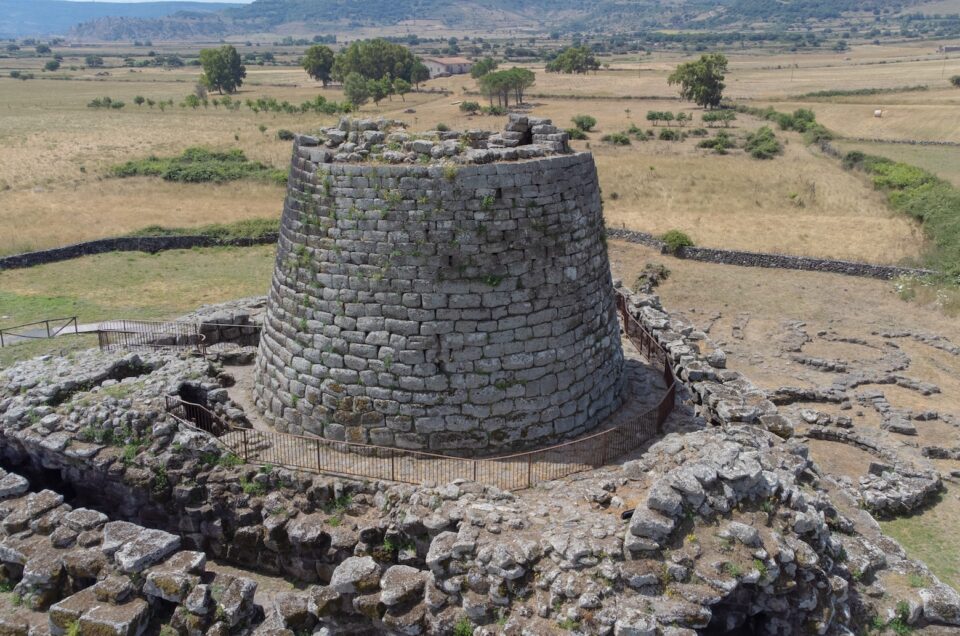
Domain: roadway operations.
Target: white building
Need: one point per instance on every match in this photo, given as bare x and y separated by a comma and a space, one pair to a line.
444, 66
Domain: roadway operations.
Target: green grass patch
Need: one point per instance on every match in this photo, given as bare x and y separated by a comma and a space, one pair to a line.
201, 165
923, 196
127, 285
249, 228
858, 92
931, 537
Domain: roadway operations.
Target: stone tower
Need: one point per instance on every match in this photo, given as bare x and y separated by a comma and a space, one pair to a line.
449, 293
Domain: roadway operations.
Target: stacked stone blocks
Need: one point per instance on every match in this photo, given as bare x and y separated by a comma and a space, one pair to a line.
448, 307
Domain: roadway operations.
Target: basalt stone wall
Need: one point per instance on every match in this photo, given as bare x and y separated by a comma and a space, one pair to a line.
451, 308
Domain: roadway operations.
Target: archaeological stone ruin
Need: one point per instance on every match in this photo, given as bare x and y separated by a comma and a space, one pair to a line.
453, 293
449, 292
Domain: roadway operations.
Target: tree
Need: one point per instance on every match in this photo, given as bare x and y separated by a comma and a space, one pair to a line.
139, 100
52, 65
374, 59
401, 87
378, 89
701, 81
94, 61
222, 69
356, 89
43, 49
955, 81
192, 101
484, 66
419, 73
573, 59
318, 63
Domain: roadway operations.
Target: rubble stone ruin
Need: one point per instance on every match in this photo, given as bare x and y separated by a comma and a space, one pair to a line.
448, 291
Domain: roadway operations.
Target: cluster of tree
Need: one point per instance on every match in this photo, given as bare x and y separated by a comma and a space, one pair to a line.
93, 61
573, 59
503, 84
223, 69
368, 69
482, 67
106, 102
701, 81
20, 75
724, 116
657, 116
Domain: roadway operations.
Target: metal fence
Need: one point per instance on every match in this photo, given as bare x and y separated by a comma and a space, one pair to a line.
148, 334
510, 472
49, 328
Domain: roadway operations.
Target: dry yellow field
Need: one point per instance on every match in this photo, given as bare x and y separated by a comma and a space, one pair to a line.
55, 152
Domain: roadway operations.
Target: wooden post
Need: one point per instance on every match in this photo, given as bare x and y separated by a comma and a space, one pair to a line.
47, 323
246, 453
529, 469
393, 468
319, 466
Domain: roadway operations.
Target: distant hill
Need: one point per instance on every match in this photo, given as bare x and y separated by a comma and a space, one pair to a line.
21, 18
316, 16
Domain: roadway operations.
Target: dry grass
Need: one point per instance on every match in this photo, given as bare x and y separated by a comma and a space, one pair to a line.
54, 151
799, 203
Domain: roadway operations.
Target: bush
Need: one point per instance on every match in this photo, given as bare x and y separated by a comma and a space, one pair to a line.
576, 133
675, 239
441, 127
470, 107
668, 134
955, 81
719, 144
250, 228
285, 135
494, 110
584, 122
200, 165
699, 132
617, 139
763, 144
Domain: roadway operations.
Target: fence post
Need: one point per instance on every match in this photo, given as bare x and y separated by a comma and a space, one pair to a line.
393, 468
319, 465
246, 454
1, 338
47, 323
529, 469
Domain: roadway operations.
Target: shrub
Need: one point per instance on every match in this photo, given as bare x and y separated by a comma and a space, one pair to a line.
463, 627
576, 133
617, 139
470, 107
442, 127
200, 165
699, 132
763, 144
719, 144
584, 122
285, 135
494, 110
668, 134
675, 239
955, 81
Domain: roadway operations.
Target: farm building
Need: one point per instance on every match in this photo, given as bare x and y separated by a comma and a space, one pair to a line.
443, 66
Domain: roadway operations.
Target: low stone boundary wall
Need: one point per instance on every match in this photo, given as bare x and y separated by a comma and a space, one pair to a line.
126, 244
906, 142
774, 261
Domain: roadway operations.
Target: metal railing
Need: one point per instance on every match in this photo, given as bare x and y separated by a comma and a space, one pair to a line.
148, 334
510, 472
51, 328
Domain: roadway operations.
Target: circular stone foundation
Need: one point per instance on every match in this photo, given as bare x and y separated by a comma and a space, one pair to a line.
455, 308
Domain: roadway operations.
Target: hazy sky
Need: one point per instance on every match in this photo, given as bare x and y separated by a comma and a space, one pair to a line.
233, 1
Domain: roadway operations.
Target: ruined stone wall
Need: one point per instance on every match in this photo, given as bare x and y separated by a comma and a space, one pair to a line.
441, 307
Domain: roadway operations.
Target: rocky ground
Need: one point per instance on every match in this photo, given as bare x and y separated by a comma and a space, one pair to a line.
724, 525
